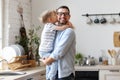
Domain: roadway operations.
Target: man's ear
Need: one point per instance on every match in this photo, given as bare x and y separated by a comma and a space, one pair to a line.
70, 15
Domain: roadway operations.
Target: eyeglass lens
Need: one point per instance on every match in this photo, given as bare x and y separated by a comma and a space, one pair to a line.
63, 13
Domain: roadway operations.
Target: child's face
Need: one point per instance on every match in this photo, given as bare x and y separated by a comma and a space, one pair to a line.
54, 17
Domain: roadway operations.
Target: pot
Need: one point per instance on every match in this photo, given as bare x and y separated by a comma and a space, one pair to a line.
90, 61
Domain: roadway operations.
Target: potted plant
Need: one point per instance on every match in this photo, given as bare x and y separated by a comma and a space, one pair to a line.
78, 58
34, 41
30, 42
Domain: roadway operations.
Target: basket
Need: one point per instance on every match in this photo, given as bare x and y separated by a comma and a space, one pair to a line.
19, 62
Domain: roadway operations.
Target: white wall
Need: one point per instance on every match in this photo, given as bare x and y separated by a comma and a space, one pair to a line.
12, 19
91, 39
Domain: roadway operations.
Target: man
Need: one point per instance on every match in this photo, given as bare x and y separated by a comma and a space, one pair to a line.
64, 47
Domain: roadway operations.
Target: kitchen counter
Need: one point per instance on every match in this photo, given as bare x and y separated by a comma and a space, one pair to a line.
97, 67
36, 70
28, 72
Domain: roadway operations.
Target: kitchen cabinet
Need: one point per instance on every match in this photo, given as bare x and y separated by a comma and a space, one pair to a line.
104, 72
86, 75
109, 74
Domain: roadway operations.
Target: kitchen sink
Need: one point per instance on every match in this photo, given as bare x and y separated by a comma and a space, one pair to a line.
12, 73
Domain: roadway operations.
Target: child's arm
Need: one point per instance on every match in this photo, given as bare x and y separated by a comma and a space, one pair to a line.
62, 27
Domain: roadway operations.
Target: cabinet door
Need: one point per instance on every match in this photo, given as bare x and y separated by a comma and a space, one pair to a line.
109, 75
86, 75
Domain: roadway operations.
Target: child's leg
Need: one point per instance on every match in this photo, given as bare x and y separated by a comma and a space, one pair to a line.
53, 70
47, 72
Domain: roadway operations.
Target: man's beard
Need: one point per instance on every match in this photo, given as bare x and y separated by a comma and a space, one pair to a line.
61, 23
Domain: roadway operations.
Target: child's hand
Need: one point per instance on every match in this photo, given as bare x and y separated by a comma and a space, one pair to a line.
65, 27
70, 25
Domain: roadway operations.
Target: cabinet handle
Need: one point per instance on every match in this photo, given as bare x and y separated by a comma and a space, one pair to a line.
114, 70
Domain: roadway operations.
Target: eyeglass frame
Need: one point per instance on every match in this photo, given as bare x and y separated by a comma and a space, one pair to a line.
63, 13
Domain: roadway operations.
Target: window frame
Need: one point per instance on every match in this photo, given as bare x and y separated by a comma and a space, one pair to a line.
1, 23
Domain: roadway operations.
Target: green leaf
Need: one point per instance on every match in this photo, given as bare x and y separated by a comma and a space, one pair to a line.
78, 56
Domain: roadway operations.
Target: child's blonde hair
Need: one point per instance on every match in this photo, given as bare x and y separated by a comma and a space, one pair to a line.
45, 15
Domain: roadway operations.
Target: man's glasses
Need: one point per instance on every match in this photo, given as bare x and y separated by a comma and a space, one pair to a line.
62, 13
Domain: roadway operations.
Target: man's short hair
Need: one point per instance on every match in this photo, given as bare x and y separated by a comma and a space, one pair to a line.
66, 7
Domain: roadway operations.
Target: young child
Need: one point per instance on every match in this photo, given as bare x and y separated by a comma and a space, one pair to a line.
49, 18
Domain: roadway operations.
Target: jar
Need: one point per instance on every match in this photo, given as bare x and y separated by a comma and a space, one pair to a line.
105, 61
113, 61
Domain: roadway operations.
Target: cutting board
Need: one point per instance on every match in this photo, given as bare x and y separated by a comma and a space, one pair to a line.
116, 39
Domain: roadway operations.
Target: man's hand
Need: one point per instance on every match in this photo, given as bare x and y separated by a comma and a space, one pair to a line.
43, 60
47, 61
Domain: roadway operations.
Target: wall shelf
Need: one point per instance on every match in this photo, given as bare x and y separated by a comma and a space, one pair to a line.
100, 14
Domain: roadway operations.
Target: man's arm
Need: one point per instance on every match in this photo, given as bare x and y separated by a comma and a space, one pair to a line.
65, 41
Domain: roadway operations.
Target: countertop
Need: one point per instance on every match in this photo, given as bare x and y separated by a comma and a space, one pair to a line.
97, 67
30, 71
27, 71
